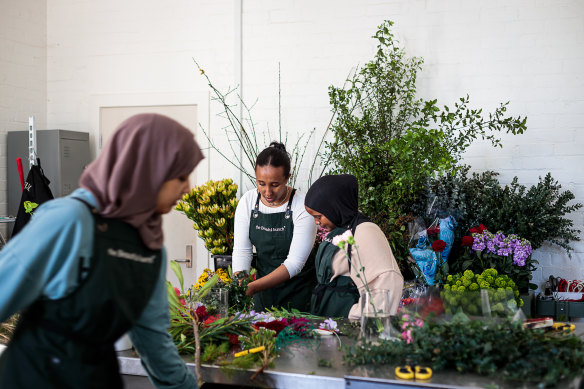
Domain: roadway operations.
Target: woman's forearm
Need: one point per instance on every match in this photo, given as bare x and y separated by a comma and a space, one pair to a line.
269, 281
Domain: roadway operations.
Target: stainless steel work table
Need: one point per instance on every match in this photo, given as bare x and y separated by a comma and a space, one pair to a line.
297, 367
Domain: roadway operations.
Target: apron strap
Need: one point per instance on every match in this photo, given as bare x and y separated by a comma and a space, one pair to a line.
92, 209
256, 208
84, 267
289, 206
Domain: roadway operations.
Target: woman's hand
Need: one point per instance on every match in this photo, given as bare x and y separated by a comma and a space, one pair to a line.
274, 278
251, 289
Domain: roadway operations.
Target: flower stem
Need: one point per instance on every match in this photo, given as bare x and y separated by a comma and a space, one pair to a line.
197, 350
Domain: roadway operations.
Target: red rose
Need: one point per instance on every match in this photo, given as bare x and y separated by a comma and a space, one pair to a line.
233, 339
202, 312
439, 245
433, 230
275, 325
478, 230
467, 240
211, 320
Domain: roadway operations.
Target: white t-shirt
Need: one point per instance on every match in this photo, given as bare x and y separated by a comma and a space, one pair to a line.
302, 239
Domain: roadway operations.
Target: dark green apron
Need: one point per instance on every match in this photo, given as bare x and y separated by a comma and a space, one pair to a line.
331, 298
69, 342
271, 234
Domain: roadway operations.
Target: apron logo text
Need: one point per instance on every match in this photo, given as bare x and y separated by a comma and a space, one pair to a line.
271, 229
131, 256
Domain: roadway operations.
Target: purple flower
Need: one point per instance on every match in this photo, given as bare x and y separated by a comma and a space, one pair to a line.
329, 324
512, 245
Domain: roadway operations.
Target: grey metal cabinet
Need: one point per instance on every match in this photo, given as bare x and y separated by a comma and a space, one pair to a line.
64, 154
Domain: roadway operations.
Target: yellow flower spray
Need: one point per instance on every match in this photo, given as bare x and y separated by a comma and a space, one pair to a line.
211, 207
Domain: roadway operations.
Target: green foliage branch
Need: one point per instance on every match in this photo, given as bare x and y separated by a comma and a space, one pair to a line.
496, 348
538, 213
393, 141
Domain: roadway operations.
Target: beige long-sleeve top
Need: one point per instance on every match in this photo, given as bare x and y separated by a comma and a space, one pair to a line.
381, 269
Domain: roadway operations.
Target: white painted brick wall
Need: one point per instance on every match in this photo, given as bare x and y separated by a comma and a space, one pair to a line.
23, 81
528, 52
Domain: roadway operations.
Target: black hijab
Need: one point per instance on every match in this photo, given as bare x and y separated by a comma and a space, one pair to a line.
336, 197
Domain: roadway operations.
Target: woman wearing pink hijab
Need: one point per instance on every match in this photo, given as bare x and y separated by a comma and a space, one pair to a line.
90, 267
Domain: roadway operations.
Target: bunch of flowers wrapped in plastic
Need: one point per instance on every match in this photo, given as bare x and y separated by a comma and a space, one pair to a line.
432, 249
510, 255
211, 207
484, 294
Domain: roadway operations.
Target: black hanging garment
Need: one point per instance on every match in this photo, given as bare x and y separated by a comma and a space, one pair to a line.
36, 190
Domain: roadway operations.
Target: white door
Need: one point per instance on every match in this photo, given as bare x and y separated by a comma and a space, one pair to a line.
178, 230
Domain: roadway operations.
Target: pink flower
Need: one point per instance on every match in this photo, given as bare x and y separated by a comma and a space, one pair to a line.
419, 322
407, 336
342, 238
182, 301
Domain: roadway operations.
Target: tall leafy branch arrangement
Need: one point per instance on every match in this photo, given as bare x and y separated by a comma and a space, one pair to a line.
393, 141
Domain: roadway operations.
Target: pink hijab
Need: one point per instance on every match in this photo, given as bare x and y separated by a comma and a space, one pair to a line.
145, 151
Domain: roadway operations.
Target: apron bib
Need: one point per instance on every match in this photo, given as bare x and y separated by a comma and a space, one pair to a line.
331, 298
69, 342
271, 234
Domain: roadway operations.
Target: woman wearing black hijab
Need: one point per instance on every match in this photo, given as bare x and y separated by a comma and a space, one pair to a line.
333, 203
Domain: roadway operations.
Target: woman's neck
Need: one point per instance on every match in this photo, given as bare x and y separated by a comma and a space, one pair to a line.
280, 202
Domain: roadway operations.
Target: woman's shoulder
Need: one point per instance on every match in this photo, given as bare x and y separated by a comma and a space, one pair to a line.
250, 195
64, 210
298, 200
369, 230
248, 198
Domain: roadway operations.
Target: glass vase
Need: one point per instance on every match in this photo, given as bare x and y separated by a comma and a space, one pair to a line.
375, 316
217, 302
